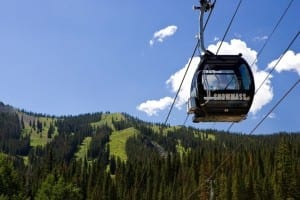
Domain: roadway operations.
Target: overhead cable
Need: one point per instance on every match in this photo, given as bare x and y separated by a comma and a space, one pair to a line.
250, 133
229, 25
262, 120
188, 66
264, 45
273, 68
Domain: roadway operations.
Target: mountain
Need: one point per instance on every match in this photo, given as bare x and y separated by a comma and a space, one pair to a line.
117, 156
6, 108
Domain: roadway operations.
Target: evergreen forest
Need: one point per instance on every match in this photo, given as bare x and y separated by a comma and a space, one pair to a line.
112, 156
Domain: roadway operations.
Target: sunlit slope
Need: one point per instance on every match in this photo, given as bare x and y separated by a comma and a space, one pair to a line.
107, 119
118, 140
83, 148
38, 136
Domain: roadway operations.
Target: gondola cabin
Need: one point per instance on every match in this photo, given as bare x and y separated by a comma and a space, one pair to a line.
222, 89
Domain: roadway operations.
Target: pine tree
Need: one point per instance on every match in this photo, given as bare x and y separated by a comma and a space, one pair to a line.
50, 131
112, 165
39, 126
285, 182
53, 189
9, 184
33, 125
224, 188
22, 123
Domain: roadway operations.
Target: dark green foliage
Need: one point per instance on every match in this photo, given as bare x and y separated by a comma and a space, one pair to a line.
10, 178
39, 126
57, 189
22, 123
263, 167
285, 186
9, 126
50, 131
33, 125
10, 135
112, 165
98, 144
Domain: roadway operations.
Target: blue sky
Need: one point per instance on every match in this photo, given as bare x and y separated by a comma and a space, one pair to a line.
66, 57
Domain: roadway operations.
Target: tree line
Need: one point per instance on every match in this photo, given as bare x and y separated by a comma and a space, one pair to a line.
263, 167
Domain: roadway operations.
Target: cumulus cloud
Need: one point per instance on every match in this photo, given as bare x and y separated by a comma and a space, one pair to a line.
289, 62
175, 80
235, 46
152, 107
162, 34
265, 93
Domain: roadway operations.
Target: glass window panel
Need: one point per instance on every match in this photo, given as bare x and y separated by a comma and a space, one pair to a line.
219, 80
245, 76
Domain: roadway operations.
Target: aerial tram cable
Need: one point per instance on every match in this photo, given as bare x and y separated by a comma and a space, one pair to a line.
262, 120
193, 54
229, 25
273, 108
274, 29
210, 178
170, 110
264, 45
273, 68
278, 61
186, 118
257, 125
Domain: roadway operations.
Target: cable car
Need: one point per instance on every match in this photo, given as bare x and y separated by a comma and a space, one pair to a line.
222, 89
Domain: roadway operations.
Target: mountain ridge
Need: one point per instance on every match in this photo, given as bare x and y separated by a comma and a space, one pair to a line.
117, 156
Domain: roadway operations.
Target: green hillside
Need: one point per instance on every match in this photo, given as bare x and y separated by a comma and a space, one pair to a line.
83, 148
145, 160
38, 137
107, 119
118, 140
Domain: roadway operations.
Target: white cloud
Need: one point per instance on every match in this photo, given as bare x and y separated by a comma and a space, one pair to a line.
162, 34
260, 38
289, 62
265, 93
236, 46
175, 80
152, 107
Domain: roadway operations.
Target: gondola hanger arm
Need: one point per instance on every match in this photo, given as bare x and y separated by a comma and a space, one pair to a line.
205, 6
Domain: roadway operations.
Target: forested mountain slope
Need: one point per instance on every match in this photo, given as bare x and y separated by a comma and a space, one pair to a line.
116, 156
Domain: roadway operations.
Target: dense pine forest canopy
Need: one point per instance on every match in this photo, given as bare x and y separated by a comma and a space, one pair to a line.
116, 156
